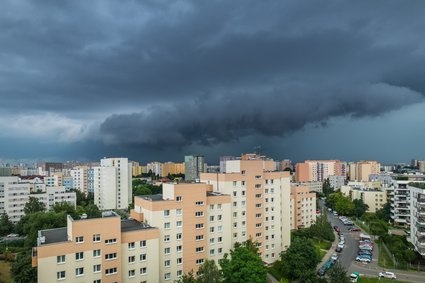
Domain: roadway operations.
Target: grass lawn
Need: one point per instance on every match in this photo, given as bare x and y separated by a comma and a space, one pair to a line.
378, 280
5, 271
384, 259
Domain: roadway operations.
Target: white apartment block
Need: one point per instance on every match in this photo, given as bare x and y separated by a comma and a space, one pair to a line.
260, 207
400, 203
155, 167
14, 194
336, 181
417, 216
112, 184
79, 179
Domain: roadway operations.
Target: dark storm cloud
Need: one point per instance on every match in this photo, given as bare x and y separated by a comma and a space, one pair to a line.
173, 74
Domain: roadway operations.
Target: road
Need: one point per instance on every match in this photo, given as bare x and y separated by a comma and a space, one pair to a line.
348, 255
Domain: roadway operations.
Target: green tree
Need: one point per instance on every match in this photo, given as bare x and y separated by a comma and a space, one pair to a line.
33, 205
360, 207
338, 274
385, 212
6, 226
22, 270
244, 265
322, 229
209, 273
64, 207
326, 188
300, 257
186, 278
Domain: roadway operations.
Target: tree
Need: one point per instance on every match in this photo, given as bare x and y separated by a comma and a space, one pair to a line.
322, 229
209, 273
6, 226
326, 188
186, 278
338, 274
300, 257
22, 270
360, 207
244, 265
385, 212
34, 205
64, 207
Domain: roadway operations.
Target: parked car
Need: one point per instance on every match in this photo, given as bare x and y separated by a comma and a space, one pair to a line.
363, 259
335, 213
386, 274
365, 247
341, 242
338, 249
354, 277
354, 229
330, 209
341, 245
366, 252
334, 257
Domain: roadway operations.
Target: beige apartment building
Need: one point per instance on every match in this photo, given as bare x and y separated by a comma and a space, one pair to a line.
360, 171
260, 202
375, 197
194, 225
172, 168
98, 250
303, 207
319, 170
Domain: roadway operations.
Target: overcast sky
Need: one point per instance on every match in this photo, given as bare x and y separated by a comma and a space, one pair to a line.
155, 80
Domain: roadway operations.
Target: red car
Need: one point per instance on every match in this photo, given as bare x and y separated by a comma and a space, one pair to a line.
354, 229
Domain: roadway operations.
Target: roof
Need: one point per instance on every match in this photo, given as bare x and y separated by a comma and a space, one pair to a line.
212, 194
157, 197
133, 225
54, 236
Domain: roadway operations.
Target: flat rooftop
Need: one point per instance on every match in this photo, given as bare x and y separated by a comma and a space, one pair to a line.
53, 236
157, 197
133, 225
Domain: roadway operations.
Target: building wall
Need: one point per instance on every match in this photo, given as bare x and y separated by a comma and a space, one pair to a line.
303, 207
417, 216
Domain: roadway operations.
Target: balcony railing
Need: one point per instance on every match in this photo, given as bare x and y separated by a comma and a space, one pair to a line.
420, 234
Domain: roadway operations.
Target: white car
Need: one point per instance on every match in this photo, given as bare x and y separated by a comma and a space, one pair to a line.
341, 242
363, 259
386, 274
334, 257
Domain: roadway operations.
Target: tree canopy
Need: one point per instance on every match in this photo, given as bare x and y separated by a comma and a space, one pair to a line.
6, 226
243, 265
338, 274
33, 205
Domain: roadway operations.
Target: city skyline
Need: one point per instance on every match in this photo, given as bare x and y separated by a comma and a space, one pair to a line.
153, 81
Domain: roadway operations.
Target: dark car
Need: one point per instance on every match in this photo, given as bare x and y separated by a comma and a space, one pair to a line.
338, 249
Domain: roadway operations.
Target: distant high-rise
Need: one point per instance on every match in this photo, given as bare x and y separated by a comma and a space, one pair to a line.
319, 170
360, 171
194, 165
112, 183
421, 166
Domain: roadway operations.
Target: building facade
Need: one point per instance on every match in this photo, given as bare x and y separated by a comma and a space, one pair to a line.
375, 198
303, 207
194, 165
417, 216
360, 171
319, 170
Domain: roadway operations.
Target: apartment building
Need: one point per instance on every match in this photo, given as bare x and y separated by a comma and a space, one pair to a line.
155, 167
105, 249
417, 216
54, 180
337, 182
260, 207
400, 203
172, 168
79, 178
421, 166
318, 170
375, 197
194, 165
303, 207
112, 184
14, 194
312, 186
194, 225
360, 171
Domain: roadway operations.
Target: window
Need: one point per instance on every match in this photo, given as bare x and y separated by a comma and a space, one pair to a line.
143, 244
220, 239
178, 198
179, 260
179, 236
235, 224
199, 261
219, 206
258, 235
234, 194
211, 229
167, 276
60, 259
243, 193
235, 214
166, 213
60, 275
243, 172
220, 250
258, 215
199, 203
97, 268
179, 212
220, 217
258, 177
96, 238
199, 237
111, 241
257, 186
212, 218
179, 224
179, 249
131, 245
166, 238
97, 281
142, 257
219, 228
258, 225
111, 256
79, 256
200, 226
235, 204
96, 253
212, 206
110, 271
143, 270
179, 273
79, 239
131, 259
132, 273
212, 251
234, 183
211, 241
167, 251
258, 195
79, 271
199, 213
199, 249
167, 263
167, 225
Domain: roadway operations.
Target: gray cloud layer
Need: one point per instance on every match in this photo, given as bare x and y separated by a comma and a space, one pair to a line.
206, 72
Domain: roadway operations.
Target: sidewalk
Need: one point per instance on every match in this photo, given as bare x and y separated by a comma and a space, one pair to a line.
330, 252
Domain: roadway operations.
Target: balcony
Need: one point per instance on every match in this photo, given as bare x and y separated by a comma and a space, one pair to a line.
420, 244
421, 212
421, 221
421, 202
420, 233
